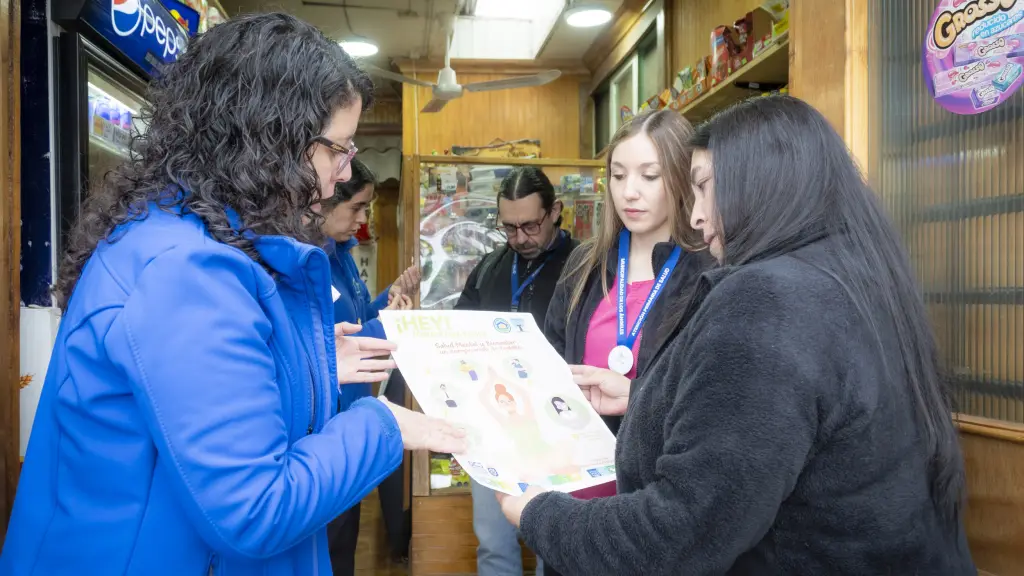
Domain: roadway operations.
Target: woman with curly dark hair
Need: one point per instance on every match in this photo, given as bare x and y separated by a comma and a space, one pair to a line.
186, 422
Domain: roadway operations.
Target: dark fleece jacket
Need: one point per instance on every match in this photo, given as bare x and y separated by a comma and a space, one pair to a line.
764, 439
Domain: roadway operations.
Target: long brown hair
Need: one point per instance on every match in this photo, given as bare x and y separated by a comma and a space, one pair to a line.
671, 134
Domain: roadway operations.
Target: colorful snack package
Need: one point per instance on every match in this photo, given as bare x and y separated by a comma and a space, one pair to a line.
1009, 45
963, 77
1007, 76
984, 96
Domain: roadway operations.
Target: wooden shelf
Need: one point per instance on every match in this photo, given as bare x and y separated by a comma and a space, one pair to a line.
451, 491
552, 162
378, 129
770, 67
1000, 429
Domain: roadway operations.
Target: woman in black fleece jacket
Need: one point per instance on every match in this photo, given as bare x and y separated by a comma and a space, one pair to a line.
796, 423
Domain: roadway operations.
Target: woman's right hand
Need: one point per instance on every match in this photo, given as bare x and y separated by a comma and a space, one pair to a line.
359, 359
607, 391
422, 432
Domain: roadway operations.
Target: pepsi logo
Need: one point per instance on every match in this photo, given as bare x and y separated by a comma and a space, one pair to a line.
125, 16
129, 16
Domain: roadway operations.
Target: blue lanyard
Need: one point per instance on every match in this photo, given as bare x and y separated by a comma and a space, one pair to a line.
517, 288
628, 340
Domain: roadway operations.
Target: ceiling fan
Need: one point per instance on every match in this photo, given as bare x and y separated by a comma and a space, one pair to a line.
447, 87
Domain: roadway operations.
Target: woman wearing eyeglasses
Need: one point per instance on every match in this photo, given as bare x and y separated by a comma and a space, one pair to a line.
185, 424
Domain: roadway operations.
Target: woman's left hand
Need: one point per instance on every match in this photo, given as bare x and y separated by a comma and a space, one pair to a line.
408, 281
399, 301
361, 360
513, 506
607, 391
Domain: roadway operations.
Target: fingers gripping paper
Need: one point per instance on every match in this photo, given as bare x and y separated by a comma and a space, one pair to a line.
498, 378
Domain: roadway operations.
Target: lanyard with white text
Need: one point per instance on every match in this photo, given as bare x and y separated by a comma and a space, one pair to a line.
620, 359
517, 288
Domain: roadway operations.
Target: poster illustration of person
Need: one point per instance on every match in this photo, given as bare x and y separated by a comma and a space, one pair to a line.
515, 396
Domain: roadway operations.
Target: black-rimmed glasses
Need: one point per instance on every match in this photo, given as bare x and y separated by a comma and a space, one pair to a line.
528, 228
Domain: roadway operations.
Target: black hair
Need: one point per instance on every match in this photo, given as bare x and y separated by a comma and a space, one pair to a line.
362, 177
559, 399
524, 181
783, 178
231, 124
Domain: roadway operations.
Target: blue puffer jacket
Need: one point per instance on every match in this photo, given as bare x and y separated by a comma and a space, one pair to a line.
353, 304
185, 424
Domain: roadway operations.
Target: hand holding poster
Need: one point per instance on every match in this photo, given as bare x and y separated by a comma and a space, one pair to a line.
497, 377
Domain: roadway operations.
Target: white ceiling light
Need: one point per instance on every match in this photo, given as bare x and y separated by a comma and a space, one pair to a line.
359, 48
587, 16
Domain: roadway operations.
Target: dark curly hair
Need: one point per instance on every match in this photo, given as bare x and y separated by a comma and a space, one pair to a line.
229, 125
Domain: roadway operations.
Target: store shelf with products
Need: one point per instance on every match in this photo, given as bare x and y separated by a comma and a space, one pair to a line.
745, 59
770, 67
112, 116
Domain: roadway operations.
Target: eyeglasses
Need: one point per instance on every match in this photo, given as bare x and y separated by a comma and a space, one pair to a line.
528, 228
347, 153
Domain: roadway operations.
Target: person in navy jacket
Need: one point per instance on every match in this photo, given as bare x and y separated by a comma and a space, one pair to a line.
344, 214
185, 424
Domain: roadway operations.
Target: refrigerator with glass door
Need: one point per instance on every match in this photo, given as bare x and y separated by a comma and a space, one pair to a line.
106, 51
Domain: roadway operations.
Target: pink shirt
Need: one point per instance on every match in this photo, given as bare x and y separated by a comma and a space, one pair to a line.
604, 324
601, 338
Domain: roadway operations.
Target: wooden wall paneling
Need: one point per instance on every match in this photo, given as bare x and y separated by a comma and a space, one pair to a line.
549, 113
385, 111
417, 481
818, 51
586, 123
10, 250
994, 458
385, 223
857, 96
442, 536
409, 213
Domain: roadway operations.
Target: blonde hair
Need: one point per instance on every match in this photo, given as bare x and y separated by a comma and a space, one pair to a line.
671, 134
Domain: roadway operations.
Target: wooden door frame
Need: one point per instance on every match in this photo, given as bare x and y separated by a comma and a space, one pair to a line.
10, 254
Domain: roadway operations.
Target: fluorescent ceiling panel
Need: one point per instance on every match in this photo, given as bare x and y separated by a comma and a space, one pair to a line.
505, 29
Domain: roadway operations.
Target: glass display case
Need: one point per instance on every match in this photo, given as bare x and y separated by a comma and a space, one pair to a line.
458, 214
455, 201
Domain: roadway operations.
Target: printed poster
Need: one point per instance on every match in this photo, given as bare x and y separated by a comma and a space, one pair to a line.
974, 53
496, 376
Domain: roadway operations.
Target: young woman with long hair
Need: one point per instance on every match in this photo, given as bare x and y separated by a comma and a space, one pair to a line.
644, 259
796, 422
186, 422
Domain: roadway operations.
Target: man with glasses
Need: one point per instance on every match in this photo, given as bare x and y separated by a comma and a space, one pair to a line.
518, 277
